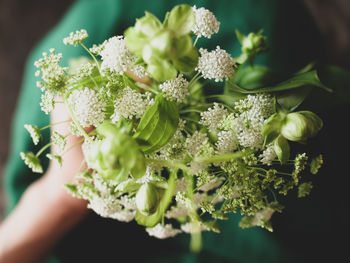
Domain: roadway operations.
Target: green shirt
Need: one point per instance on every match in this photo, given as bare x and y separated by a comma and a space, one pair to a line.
294, 41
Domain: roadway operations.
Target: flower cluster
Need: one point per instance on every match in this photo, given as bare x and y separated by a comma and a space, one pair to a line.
161, 148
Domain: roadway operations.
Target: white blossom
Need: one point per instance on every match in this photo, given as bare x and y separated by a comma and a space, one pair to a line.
194, 142
268, 155
175, 89
76, 38
130, 103
47, 102
176, 212
226, 142
206, 22
52, 74
216, 64
190, 228
32, 162
58, 140
162, 232
88, 109
213, 117
34, 132
115, 55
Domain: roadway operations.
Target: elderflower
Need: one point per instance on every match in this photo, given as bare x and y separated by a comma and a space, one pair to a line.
56, 158
175, 89
194, 142
115, 56
34, 132
47, 102
226, 142
76, 38
216, 64
247, 122
206, 23
268, 155
129, 104
87, 108
213, 117
59, 140
162, 232
52, 74
32, 161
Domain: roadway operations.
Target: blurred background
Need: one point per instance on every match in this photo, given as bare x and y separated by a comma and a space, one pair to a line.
23, 23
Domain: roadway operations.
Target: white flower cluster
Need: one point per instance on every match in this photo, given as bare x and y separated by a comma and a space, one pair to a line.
226, 142
59, 140
216, 64
52, 74
76, 38
175, 89
34, 132
206, 23
213, 117
47, 102
115, 56
130, 103
32, 162
268, 155
251, 115
162, 232
88, 109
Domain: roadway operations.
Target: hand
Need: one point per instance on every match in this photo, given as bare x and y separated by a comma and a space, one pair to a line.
46, 211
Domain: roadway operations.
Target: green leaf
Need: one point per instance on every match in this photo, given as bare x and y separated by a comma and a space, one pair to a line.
300, 80
239, 35
272, 127
291, 99
161, 69
181, 19
282, 149
157, 125
152, 220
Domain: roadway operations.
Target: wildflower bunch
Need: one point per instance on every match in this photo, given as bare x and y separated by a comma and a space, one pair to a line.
163, 150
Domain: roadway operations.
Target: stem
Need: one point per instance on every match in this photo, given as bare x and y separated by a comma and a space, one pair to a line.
177, 165
74, 145
195, 42
87, 137
52, 124
220, 158
146, 87
43, 149
93, 57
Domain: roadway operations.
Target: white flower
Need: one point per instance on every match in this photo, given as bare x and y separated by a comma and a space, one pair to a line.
206, 23
115, 56
56, 158
247, 122
175, 89
163, 232
217, 64
59, 140
139, 71
130, 103
52, 74
191, 228
213, 117
34, 132
226, 142
32, 162
268, 155
75, 38
47, 102
88, 109
176, 212
193, 143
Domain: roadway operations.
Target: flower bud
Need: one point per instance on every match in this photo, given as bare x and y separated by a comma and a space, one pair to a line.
147, 199
254, 44
299, 126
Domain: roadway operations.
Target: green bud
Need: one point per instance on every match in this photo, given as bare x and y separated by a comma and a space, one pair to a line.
116, 155
147, 199
162, 42
254, 44
299, 126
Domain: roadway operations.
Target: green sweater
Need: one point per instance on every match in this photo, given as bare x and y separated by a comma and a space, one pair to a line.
294, 41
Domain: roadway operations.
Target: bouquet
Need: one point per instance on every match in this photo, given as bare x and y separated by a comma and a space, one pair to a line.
165, 152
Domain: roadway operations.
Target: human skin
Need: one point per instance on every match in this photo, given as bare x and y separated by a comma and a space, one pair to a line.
45, 212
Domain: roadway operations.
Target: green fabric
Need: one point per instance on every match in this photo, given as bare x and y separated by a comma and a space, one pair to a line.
294, 42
